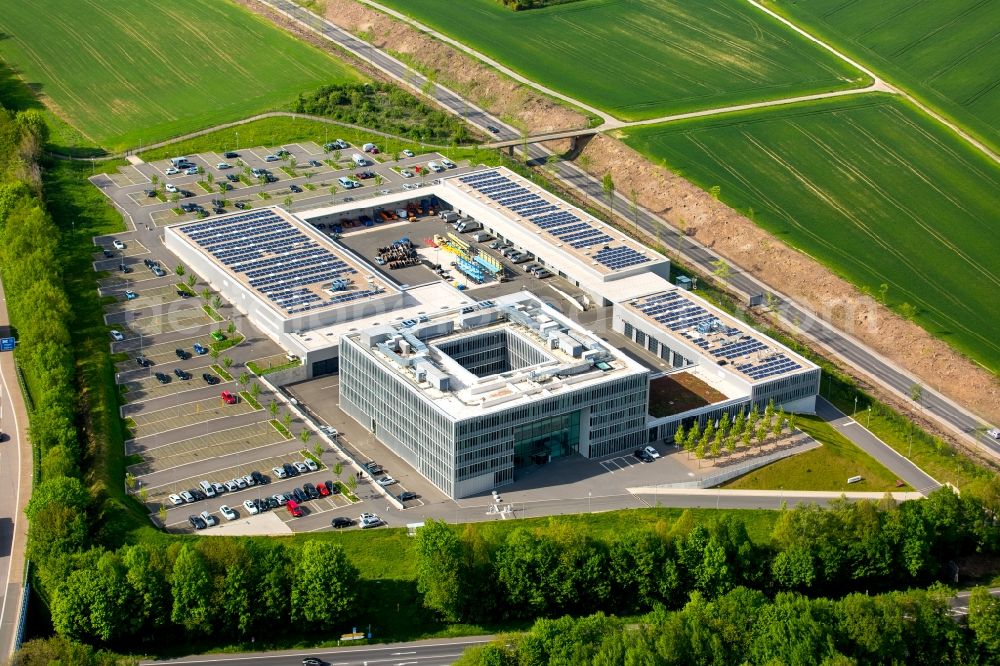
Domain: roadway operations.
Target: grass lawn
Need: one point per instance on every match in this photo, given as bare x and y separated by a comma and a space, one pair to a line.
825, 468
868, 186
643, 58
947, 53
142, 71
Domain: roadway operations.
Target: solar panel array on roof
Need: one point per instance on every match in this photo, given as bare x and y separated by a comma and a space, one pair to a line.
566, 226
676, 313
277, 258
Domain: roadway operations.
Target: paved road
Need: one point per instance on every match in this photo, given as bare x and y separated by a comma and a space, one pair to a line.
418, 653
917, 478
842, 345
15, 489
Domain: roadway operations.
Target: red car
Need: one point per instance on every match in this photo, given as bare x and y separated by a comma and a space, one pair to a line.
322, 489
229, 398
294, 509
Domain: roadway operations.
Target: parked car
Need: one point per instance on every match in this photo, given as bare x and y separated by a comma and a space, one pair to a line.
408, 152
175, 499
228, 513
172, 171
340, 522
310, 491
280, 499
240, 204
231, 485
232, 178
311, 464
118, 244
295, 188
229, 398
643, 456
223, 165
209, 518
251, 507
332, 487
117, 336
301, 467
191, 171
406, 173
271, 158
385, 481
653, 453
322, 489
143, 362
294, 509
290, 469
169, 187
447, 164
435, 167
406, 496
198, 349
369, 520
280, 472
162, 378
316, 163
181, 374
186, 496
124, 268
230, 155
299, 495
197, 522
258, 478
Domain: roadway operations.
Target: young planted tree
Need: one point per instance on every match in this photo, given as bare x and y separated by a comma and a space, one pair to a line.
288, 201
333, 191
338, 469
243, 379
318, 450
255, 390
179, 270
286, 420
761, 434
679, 435
730, 443
693, 436
231, 327
608, 185
192, 280
305, 435
717, 443
721, 271
216, 301
352, 483
746, 436
214, 353
777, 425
206, 294
210, 178
272, 408
130, 481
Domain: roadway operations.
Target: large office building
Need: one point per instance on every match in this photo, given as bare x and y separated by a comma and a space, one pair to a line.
468, 390
468, 396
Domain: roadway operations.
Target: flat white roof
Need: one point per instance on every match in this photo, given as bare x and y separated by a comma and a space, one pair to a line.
578, 360
431, 298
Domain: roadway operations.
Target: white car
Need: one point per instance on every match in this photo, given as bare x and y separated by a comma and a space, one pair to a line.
170, 187
250, 507
448, 164
271, 158
249, 480
227, 512
171, 171
994, 433
406, 173
187, 497
117, 336
435, 167
369, 520
223, 165
191, 171
119, 245
385, 481
209, 518
653, 453
219, 488
240, 482
175, 499
329, 430
408, 153
279, 472
231, 486
280, 499
301, 467
311, 464
409, 186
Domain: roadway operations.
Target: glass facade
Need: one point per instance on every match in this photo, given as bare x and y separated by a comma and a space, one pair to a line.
540, 440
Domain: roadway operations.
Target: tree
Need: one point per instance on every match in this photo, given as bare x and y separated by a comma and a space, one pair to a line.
318, 450
214, 353
155, 180
130, 481
883, 292
272, 408
324, 585
286, 420
679, 435
305, 435
907, 311
379, 179
147, 574
231, 327
333, 192
243, 379
216, 302
96, 604
288, 200
716, 444
210, 178
338, 469
292, 162
984, 621
693, 436
778, 424
179, 270
352, 483
441, 570
206, 294
223, 188
192, 280
721, 271
608, 185
192, 607
255, 390
161, 513
916, 394
227, 362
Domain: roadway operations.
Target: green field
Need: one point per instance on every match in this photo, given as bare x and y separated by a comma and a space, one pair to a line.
947, 53
872, 188
643, 58
143, 71
825, 468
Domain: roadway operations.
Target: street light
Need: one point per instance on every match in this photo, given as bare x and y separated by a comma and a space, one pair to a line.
855, 407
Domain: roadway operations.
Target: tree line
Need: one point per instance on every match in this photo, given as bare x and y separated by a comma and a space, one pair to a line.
731, 434
545, 572
387, 107
521, 5
744, 626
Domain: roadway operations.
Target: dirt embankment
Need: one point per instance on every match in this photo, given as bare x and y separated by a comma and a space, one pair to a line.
483, 85
742, 243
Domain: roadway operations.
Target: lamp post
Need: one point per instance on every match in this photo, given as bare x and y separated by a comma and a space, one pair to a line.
855, 407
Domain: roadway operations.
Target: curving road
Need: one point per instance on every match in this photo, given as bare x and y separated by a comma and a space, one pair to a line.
15, 489
890, 376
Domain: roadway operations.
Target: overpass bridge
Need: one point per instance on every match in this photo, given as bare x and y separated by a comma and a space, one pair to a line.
573, 135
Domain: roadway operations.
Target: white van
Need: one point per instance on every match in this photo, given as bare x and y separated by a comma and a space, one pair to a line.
346, 182
359, 159
468, 225
481, 237
450, 216
208, 488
